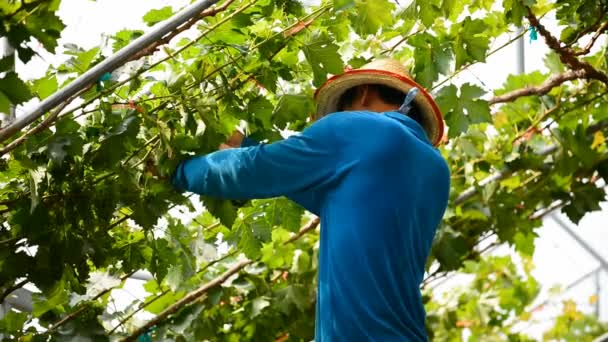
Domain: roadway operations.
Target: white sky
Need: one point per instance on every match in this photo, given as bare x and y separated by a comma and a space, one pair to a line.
558, 258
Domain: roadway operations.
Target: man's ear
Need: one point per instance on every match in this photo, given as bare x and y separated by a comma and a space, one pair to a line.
364, 96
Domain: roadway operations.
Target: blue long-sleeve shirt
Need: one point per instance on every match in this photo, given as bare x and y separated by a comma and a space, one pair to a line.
380, 189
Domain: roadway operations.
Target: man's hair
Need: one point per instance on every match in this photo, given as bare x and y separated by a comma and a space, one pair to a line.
388, 95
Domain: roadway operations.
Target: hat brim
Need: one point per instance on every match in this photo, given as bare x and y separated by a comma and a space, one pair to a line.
328, 95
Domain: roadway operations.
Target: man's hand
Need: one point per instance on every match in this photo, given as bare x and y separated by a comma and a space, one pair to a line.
234, 141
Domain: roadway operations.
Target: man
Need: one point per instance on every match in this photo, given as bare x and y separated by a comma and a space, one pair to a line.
368, 168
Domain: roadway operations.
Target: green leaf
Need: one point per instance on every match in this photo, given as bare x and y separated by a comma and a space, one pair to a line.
449, 249
464, 109
283, 212
222, 209
524, 243
45, 86
174, 277
7, 63
164, 301
124, 37
82, 60
5, 103
261, 109
369, 16
292, 108
157, 15
515, 10
14, 88
50, 300
248, 243
293, 295
46, 27
301, 262
425, 11
585, 198
258, 305
117, 142
322, 55
553, 63
13, 322
477, 110
432, 57
470, 43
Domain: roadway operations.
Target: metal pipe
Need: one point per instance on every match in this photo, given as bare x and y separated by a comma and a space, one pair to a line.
603, 338
111, 63
598, 291
142, 275
521, 55
596, 255
20, 299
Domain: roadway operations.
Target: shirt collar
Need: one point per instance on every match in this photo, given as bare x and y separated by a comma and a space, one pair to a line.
410, 123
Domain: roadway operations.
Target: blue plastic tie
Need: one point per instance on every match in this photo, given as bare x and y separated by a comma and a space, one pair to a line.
105, 77
533, 34
145, 337
407, 103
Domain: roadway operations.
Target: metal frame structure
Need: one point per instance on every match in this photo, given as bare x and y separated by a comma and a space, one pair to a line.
21, 299
111, 63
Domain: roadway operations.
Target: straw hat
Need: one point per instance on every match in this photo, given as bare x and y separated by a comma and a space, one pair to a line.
387, 72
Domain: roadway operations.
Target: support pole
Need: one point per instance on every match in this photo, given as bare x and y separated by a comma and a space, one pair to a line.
598, 291
521, 55
108, 65
566, 227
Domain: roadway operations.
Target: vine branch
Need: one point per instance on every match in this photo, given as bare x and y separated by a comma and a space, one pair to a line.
75, 314
546, 87
166, 39
201, 291
41, 126
188, 299
566, 55
597, 34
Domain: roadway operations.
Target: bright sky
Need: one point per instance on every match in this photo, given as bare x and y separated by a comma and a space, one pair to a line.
558, 258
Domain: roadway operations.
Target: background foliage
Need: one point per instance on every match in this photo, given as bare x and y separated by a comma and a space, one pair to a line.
83, 203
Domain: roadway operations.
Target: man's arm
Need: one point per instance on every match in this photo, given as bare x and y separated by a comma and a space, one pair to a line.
301, 163
307, 199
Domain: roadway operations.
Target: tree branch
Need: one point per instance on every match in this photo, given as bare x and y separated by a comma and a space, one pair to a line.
500, 175
310, 226
201, 291
597, 34
566, 55
41, 126
588, 29
189, 298
547, 86
145, 304
166, 39
139, 308
75, 314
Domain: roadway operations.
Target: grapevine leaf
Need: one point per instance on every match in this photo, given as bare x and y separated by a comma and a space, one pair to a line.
157, 15
322, 55
14, 88
370, 16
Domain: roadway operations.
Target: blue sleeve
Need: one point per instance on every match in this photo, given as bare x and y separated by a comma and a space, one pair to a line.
307, 199
302, 163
